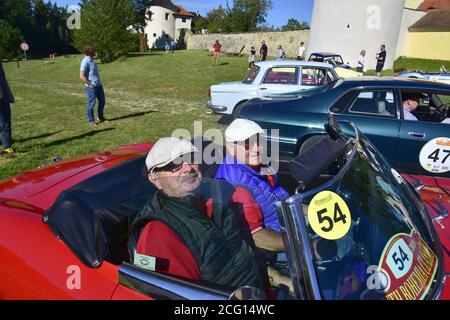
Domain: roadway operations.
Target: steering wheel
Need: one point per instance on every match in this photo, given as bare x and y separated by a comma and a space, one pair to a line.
444, 111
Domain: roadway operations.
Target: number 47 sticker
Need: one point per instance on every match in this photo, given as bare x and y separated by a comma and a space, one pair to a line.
435, 155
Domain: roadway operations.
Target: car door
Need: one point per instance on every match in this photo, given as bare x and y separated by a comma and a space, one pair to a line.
420, 150
281, 79
374, 111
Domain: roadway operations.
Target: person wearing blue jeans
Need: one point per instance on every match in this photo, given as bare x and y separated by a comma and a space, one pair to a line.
92, 85
6, 98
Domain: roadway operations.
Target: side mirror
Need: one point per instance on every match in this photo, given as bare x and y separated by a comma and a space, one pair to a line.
248, 293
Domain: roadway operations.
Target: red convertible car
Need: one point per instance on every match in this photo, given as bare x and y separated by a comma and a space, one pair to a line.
367, 234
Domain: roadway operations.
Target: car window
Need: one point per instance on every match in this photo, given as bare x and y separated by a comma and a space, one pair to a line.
315, 77
282, 75
331, 76
431, 107
251, 75
377, 103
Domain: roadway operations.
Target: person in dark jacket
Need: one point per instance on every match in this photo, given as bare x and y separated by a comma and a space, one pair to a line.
193, 228
6, 98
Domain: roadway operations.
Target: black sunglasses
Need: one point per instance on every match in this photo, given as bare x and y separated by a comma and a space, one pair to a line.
246, 143
170, 167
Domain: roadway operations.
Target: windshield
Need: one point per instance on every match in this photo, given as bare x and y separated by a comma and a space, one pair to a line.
366, 233
336, 59
251, 75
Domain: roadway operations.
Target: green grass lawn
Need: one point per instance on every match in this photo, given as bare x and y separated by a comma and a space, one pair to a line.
147, 97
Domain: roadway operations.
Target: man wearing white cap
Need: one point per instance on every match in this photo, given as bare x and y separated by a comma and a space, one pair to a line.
191, 227
242, 168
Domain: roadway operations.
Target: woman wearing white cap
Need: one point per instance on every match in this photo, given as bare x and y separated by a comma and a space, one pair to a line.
242, 167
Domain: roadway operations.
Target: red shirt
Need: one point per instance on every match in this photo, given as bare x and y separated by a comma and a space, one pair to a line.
172, 255
217, 47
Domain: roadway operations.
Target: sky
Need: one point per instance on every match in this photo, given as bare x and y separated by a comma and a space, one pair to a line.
278, 16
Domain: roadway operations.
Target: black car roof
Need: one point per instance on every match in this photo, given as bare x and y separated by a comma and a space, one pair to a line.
394, 82
324, 54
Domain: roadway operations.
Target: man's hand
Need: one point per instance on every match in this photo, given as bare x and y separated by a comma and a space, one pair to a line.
277, 278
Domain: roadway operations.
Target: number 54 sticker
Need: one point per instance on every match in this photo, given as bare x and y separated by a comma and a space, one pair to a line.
329, 216
435, 155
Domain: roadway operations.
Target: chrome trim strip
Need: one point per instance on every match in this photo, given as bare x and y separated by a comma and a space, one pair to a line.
172, 286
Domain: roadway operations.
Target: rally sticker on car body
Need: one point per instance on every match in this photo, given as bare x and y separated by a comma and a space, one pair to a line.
410, 265
435, 155
329, 216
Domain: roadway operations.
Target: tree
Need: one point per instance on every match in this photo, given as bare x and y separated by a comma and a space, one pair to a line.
10, 39
200, 24
217, 20
106, 24
294, 24
247, 15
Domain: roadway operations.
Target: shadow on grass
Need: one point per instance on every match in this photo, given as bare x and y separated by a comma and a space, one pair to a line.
131, 115
81, 136
144, 54
45, 135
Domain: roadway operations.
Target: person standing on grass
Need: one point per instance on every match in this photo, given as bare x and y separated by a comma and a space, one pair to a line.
251, 58
263, 51
301, 51
6, 98
381, 58
361, 61
92, 85
217, 50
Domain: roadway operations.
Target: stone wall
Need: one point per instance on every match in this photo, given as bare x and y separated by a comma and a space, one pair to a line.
289, 40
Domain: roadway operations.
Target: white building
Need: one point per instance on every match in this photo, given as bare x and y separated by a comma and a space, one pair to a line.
349, 26
165, 20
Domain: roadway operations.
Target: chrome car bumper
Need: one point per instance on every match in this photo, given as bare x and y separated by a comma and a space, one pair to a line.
218, 109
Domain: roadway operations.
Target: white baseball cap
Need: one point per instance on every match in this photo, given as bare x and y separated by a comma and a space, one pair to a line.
242, 129
167, 150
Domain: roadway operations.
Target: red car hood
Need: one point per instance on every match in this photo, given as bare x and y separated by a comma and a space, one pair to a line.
41, 186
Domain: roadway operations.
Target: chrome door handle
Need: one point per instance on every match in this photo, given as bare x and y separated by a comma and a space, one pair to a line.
416, 134
262, 88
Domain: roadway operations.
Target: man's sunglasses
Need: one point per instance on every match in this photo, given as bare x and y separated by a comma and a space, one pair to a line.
170, 167
246, 143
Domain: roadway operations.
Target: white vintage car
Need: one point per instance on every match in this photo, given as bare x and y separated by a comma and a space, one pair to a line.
269, 78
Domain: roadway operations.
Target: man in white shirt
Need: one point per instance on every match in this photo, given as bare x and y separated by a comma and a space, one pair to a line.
361, 60
301, 51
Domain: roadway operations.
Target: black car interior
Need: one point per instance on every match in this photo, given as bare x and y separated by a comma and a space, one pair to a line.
431, 108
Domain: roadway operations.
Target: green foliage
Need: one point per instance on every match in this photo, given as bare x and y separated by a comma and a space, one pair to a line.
10, 39
243, 16
106, 24
294, 24
247, 15
216, 20
200, 24
42, 25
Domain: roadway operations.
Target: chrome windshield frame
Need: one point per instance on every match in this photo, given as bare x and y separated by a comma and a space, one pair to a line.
293, 226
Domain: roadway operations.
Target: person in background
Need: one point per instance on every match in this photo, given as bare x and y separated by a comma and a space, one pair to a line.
361, 60
92, 85
263, 51
251, 58
217, 50
6, 98
301, 51
281, 53
381, 58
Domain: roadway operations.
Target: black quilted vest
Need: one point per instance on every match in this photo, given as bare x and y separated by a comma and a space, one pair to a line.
218, 245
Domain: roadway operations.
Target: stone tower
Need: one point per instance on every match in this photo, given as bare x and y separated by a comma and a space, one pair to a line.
348, 26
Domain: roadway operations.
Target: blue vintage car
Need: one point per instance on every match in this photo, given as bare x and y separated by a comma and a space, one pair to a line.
375, 106
442, 76
329, 57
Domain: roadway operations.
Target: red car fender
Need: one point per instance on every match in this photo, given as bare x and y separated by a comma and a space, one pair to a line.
34, 264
